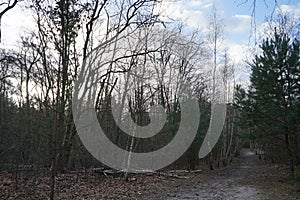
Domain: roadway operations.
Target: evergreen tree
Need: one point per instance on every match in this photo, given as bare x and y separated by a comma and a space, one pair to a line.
270, 106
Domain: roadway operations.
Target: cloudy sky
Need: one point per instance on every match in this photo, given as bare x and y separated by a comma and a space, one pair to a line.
195, 13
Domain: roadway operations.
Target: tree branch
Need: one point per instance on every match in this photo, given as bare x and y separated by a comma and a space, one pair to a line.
5, 10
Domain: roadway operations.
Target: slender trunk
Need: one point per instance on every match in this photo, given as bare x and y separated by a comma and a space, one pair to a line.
289, 152
53, 165
231, 130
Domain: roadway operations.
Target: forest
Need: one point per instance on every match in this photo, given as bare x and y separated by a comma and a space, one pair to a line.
143, 59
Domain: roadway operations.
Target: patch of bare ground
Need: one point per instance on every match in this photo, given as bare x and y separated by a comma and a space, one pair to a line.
87, 186
246, 177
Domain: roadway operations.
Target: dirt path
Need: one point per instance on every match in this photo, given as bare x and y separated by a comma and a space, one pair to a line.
247, 178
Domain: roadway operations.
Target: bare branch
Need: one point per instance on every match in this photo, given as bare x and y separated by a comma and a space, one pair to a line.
9, 6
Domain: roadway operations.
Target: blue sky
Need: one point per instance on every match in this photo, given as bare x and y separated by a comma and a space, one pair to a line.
236, 16
263, 9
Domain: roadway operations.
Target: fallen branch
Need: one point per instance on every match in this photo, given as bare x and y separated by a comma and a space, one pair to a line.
173, 175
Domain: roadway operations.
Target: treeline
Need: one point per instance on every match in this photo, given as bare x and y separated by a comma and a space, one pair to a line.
37, 81
270, 109
152, 58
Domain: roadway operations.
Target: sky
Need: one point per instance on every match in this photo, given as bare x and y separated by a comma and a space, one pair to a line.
236, 14
238, 19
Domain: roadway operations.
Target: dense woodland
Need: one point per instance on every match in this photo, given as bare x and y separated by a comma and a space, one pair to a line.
37, 82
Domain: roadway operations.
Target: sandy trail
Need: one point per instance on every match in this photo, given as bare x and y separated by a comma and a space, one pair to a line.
246, 178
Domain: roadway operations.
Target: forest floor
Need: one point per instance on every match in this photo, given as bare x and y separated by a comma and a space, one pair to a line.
246, 177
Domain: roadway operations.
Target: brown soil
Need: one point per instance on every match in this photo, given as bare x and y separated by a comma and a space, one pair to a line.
246, 177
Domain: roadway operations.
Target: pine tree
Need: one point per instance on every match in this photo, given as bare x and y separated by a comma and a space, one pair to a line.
270, 106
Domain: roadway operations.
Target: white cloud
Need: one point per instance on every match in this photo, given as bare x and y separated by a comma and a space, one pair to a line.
238, 52
14, 23
286, 8
295, 9
191, 12
195, 19
196, 4
239, 23
195, 15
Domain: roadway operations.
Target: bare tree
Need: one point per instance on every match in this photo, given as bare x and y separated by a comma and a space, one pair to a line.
283, 23
215, 38
59, 24
6, 5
